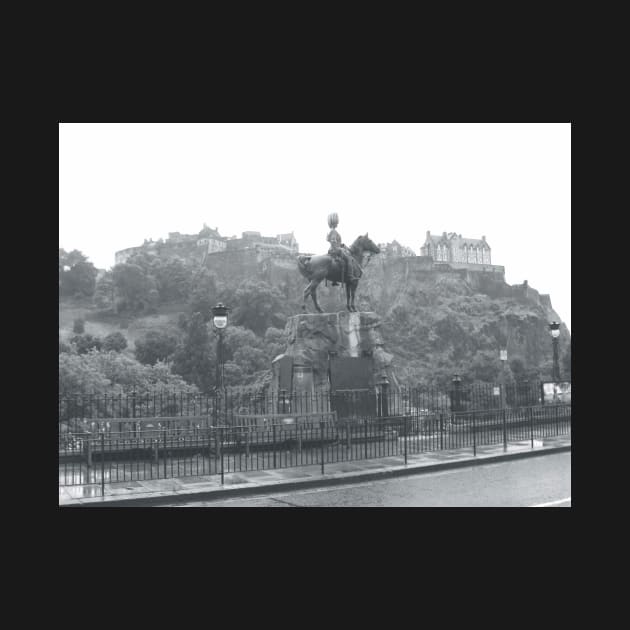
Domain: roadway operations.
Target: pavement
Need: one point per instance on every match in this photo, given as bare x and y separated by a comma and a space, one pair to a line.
260, 482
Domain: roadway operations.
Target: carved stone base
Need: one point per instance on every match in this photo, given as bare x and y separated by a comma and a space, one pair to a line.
313, 338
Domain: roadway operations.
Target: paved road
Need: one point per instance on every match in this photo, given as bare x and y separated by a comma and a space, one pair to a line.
543, 481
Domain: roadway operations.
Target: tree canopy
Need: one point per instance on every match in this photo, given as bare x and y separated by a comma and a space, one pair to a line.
77, 276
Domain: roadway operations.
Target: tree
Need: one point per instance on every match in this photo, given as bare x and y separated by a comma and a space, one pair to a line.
66, 347
112, 373
275, 342
486, 366
78, 375
77, 276
203, 294
173, 279
194, 359
80, 280
134, 286
104, 297
155, 346
518, 369
566, 365
115, 342
85, 343
258, 306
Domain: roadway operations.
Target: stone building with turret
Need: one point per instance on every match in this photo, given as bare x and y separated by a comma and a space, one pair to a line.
453, 248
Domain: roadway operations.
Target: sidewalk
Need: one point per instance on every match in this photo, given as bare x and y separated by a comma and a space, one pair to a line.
260, 482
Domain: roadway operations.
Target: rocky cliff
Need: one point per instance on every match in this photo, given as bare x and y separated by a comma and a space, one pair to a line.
441, 321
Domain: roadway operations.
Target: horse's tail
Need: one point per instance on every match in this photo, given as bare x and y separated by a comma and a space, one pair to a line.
303, 264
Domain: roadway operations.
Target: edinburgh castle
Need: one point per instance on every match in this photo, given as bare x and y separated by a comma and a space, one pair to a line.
273, 258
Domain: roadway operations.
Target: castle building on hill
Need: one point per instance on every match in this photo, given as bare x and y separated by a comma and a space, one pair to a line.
452, 248
250, 240
395, 250
207, 241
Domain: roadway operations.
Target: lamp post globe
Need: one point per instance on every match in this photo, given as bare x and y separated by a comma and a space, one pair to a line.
554, 329
220, 316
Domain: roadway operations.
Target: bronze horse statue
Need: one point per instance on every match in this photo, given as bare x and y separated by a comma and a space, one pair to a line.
326, 267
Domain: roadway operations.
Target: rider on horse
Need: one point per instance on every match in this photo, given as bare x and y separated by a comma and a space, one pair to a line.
339, 251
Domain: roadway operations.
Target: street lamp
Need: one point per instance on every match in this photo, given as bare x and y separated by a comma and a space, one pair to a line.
220, 322
554, 328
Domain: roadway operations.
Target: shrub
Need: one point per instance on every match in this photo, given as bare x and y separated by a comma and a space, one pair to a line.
115, 341
85, 343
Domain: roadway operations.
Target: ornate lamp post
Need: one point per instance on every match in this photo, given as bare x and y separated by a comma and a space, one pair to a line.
554, 328
219, 323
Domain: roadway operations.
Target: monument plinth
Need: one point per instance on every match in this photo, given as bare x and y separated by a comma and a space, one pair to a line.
347, 345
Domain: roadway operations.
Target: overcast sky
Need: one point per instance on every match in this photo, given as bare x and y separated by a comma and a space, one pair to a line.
122, 183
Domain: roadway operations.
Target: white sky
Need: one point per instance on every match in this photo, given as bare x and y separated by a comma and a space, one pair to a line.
122, 183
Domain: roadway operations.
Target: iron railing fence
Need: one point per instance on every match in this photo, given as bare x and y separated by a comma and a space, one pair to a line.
88, 458
87, 412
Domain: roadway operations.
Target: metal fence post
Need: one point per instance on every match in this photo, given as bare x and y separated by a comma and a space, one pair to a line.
273, 444
474, 432
531, 424
221, 447
365, 448
504, 433
556, 423
164, 453
210, 457
441, 431
321, 435
406, 440
102, 464
133, 410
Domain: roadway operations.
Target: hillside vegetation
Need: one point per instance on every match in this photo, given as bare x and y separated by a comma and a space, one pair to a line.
435, 323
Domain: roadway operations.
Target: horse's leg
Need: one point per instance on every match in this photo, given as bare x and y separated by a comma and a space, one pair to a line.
307, 292
354, 289
348, 296
314, 294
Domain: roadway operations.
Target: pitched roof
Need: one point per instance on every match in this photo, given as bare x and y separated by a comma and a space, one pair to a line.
462, 241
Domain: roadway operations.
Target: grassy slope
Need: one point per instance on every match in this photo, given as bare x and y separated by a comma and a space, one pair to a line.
132, 330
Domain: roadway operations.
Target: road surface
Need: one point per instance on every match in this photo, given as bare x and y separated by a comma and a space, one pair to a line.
543, 481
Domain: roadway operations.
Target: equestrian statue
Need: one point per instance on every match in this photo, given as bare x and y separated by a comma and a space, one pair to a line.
340, 265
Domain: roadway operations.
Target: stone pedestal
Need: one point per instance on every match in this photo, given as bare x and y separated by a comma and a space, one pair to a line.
312, 338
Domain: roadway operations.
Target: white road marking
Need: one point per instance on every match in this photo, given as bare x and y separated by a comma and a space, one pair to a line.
551, 503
